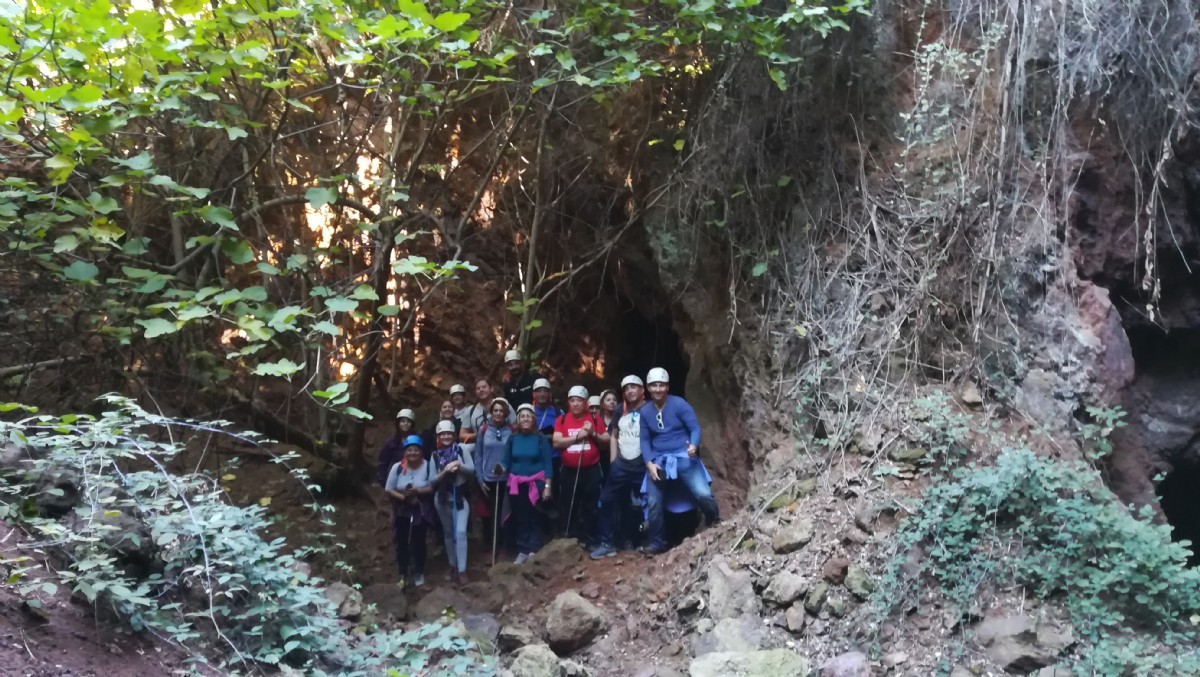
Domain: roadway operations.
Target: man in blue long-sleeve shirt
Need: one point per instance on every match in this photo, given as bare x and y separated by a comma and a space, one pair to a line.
670, 437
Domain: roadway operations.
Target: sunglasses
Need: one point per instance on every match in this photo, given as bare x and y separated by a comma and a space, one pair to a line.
660, 421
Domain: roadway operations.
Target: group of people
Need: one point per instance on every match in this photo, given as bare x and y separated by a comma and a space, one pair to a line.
598, 471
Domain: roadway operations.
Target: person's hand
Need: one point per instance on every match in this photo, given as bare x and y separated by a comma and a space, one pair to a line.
453, 466
653, 470
587, 427
487, 491
400, 496
691, 450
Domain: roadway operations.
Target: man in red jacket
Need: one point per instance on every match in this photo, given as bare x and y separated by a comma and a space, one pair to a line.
579, 435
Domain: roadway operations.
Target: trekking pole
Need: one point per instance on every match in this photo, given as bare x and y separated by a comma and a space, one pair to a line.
496, 515
574, 488
410, 521
454, 524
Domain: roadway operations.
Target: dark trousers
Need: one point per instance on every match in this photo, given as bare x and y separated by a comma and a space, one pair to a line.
691, 476
410, 545
614, 500
577, 505
527, 520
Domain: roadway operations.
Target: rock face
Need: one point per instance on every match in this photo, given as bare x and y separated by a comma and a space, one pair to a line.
572, 622
773, 663
730, 592
849, 664
792, 537
535, 660
347, 600
730, 634
1020, 644
784, 588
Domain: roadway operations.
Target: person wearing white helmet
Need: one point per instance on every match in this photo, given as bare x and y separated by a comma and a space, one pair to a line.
579, 435
527, 462
392, 451
489, 445
454, 470
627, 469
670, 440
445, 413
518, 381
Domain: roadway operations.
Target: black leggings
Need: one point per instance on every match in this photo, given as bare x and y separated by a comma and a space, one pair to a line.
410, 545
585, 492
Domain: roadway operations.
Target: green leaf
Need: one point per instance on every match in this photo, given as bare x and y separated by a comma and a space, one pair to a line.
389, 311
334, 390
285, 318
364, 292
319, 197
157, 326
284, 367
759, 269
218, 215
326, 327
236, 133
81, 271
65, 243
450, 20
267, 269
359, 413
341, 304
238, 251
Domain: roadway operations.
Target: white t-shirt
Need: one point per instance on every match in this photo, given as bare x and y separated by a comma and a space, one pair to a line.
629, 433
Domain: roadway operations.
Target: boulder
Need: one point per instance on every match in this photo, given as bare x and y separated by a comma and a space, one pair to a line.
57, 491
1022, 645
388, 599
483, 628
835, 569
437, 601
908, 454
858, 582
572, 622
535, 660
556, 557
792, 537
730, 634
849, 664
730, 592
784, 588
347, 600
772, 663
513, 637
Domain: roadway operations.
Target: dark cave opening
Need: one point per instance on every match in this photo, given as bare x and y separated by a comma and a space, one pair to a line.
642, 341
1179, 495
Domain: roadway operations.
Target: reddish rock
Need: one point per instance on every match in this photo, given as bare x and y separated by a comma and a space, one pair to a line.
835, 570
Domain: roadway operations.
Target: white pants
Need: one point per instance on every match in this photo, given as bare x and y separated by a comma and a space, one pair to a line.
454, 529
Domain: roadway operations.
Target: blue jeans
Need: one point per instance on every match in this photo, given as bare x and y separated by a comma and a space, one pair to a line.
691, 474
614, 498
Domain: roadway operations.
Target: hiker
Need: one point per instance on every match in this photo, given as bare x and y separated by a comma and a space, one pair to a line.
670, 439
627, 469
477, 414
527, 462
454, 470
409, 485
594, 406
544, 411
445, 413
606, 403
458, 400
518, 381
490, 446
392, 451
577, 434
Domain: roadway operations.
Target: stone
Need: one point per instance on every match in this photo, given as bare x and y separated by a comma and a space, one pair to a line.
836, 605
513, 637
784, 588
483, 628
816, 598
795, 618
779, 502
730, 592
347, 600
895, 658
970, 395
855, 536
806, 486
858, 582
792, 537
572, 622
1020, 644
535, 660
771, 663
908, 454
658, 671
557, 556
388, 599
688, 605
437, 601
1055, 672
730, 634
57, 491
834, 570
849, 664
569, 668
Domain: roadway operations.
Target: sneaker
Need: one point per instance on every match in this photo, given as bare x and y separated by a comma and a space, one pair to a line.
521, 558
419, 580
652, 550
603, 551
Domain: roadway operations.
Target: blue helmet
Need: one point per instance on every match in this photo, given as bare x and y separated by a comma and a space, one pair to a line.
414, 441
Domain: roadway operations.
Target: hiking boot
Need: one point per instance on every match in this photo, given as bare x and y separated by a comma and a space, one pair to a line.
603, 551
652, 550
419, 580
521, 558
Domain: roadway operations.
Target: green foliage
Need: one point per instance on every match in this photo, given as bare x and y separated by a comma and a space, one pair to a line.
1055, 529
172, 555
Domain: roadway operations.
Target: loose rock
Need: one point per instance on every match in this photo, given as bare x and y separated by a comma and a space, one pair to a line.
795, 618
908, 454
347, 600
730, 592
1020, 644
849, 664
816, 598
437, 601
836, 604
858, 582
572, 622
569, 668
535, 660
388, 599
513, 637
483, 628
792, 537
772, 663
730, 634
784, 588
835, 570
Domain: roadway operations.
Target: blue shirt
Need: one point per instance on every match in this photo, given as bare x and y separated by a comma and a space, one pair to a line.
678, 428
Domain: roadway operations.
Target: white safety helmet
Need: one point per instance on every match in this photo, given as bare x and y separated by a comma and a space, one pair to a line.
492, 404
458, 388
406, 413
631, 380
512, 356
594, 401
577, 391
541, 383
658, 375
526, 407
445, 427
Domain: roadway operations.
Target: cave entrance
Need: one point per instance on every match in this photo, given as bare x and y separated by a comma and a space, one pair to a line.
1179, 494
643, 340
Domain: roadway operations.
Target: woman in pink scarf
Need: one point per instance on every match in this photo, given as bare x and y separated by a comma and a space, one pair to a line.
527, 462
